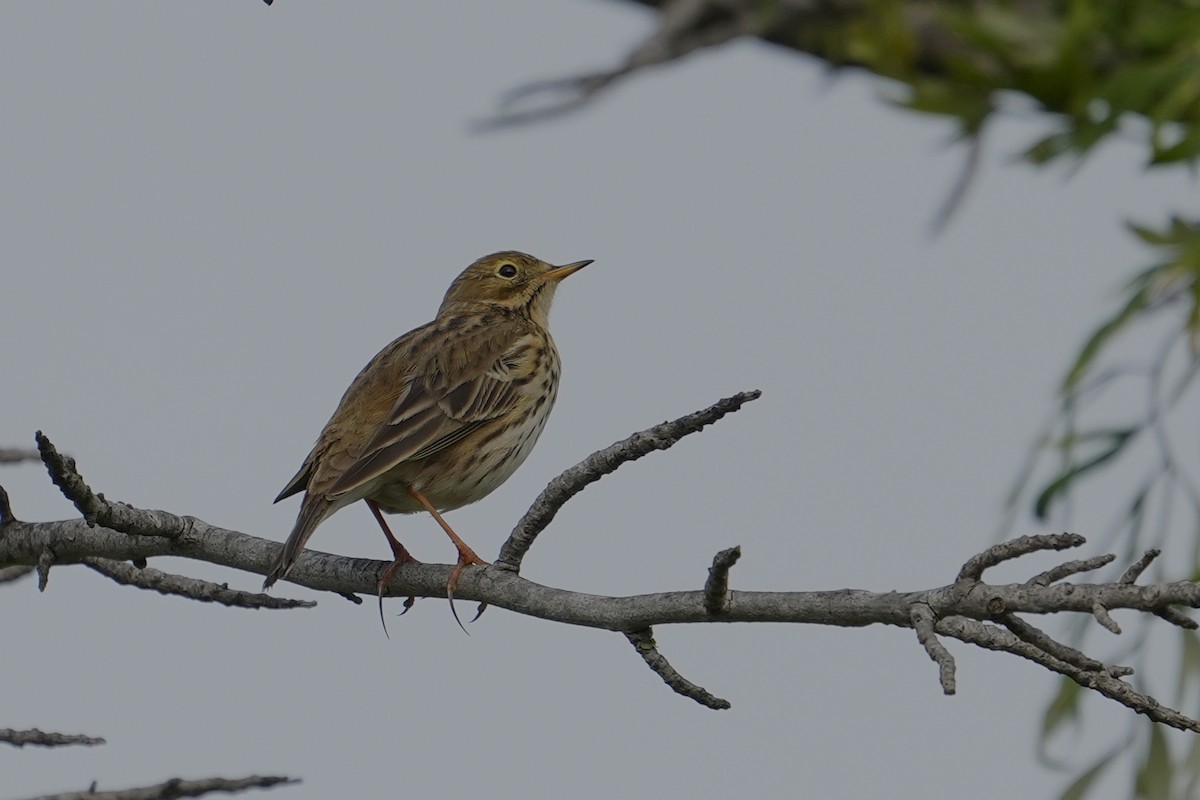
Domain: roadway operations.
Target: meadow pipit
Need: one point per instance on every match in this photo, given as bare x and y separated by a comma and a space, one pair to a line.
444, 414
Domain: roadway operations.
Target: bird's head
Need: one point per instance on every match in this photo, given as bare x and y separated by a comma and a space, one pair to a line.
508, 280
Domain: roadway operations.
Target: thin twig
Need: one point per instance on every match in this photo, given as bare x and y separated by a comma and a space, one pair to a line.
716, 588
14, 455
1135, 570
1015, 548
923, 622
992, 637
99, 511
1177, 617
1104, 618
643, 641
602, 462
176, 788
10, 574
1040, 639
684, 26
1069, 568
577, 91
966, 177
192, 588
33, 736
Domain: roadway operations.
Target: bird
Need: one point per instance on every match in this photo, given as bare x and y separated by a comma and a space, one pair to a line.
444, 414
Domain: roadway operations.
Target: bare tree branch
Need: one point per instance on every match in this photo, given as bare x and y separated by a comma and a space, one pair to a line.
643, 641
45, 738
96, 510
73, 542
602, 462
1105, 682
1100, 612
1069, 568
191, 588
1015, 548
13, 455
685, 26
1135, 570
923, 621
821, 29
1177, 617
963, 609
1038, 638
176, 788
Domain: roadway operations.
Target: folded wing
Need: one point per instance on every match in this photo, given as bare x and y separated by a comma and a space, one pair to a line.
458, 388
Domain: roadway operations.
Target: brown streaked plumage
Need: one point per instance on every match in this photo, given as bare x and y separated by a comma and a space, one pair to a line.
443, 415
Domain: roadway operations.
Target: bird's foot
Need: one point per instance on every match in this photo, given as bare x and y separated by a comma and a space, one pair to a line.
402, 556
466, 558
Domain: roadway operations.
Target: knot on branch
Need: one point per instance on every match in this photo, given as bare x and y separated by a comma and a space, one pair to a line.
716, 588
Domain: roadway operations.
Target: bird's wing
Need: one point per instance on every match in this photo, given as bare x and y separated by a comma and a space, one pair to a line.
299, 481
472, 376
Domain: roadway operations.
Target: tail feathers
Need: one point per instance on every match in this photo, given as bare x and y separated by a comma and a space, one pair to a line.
312, 512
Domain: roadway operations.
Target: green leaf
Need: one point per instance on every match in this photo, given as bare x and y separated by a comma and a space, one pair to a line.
1187, 148
1083, 784
1048, 148
1190, 666
1155, 776
1101, 336
1062, 709
1062, 484
1192, 769
1148, 235
1076, 439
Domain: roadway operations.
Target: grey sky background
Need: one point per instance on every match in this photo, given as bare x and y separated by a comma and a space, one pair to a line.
214, 214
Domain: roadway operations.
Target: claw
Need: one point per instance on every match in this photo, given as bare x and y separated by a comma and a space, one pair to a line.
383, 581
450, 584
400, 554
382, 620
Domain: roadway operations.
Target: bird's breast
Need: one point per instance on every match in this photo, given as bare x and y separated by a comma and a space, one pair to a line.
476, 466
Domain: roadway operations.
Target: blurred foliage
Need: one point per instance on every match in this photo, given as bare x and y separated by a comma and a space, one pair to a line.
1097, 70
1080, 441
1096, 64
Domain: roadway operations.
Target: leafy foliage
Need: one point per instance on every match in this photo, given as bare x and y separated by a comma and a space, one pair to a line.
1095, 64
1095, 70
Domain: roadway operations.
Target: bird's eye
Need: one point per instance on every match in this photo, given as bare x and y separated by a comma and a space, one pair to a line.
507, 271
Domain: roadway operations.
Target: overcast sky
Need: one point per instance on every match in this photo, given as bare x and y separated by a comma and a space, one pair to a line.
214, 214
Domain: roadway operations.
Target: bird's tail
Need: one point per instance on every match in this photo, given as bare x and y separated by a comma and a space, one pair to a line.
312, 512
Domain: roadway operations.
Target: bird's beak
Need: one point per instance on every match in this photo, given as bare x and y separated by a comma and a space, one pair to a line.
558, 273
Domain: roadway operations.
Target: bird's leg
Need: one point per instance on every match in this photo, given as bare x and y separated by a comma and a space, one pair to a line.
399, 553
398, 550
466, 556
